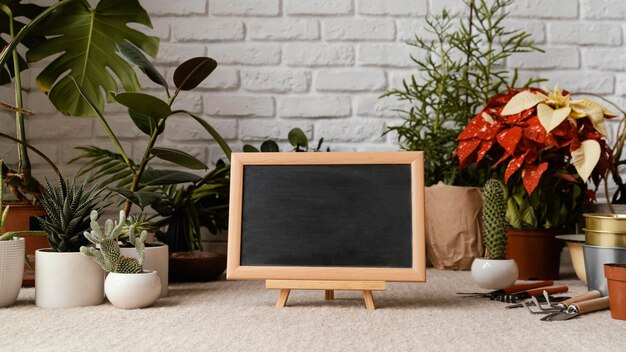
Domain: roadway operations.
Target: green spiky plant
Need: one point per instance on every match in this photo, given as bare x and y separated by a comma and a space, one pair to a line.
108, 256
68, 206
494, 220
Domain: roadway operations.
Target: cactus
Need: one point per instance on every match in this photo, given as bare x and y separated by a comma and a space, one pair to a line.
108, 256
494, 220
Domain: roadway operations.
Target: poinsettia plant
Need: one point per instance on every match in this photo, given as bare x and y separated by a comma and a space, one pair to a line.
545, 146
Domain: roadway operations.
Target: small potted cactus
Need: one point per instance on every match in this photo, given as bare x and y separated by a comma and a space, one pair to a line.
494, 271
63, 277
128, 285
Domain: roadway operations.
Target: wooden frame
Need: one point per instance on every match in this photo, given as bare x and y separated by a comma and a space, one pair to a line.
416, 273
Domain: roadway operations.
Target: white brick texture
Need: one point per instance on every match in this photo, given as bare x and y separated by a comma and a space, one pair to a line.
322, 65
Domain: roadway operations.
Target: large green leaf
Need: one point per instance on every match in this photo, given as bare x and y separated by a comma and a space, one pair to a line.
179, 157
19, 12
144, 104
212, 131
270, 146
145, 123
86, 40
192, 72
141, 199
167, 177
297, 138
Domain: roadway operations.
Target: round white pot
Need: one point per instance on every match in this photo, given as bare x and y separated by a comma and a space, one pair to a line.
494, 274
64, 280
11, 270
156, 258
130, 291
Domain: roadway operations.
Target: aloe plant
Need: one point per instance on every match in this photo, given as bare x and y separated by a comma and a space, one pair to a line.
75, 30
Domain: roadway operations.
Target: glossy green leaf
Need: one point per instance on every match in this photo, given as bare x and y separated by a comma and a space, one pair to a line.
141, 199
84, 41
167, 177
512, 213
247, 148
179, 157
136, 57
270, 146
213, 132
297, 138
145, 123
193, 71
144, 104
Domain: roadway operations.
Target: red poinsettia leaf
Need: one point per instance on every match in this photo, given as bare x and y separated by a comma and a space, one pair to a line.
502, 158
513, 166
509, 138
574, 144
531, 175
481, 126
465, 150
482, 151
537, 133
566, 177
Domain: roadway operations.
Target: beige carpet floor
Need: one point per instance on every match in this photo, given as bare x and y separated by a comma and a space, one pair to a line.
240, 316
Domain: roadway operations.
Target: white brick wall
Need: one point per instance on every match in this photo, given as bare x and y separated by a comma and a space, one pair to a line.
321, 64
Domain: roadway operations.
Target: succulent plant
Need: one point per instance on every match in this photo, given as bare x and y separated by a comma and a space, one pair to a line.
67, 207
108, 256
494, 220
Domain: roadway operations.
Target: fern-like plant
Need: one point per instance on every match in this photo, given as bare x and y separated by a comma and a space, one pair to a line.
68, 207
459, 70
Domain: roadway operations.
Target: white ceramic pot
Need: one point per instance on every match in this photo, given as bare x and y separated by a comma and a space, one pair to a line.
64, 280
494, 274
11, 270
130, 291
156, 258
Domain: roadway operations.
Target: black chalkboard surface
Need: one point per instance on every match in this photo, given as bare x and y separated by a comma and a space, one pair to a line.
348, 216
327, 215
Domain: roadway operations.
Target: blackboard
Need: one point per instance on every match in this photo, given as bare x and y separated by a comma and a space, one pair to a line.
324, 215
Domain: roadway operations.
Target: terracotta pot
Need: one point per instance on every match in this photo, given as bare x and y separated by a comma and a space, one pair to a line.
537, 253
616, 277
22, 217
196, 266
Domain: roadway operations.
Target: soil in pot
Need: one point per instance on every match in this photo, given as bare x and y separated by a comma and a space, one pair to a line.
616, 278
196, 266
537, 253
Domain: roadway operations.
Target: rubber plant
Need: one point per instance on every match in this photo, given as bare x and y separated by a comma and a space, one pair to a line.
296, 137
80, 41
544, 146
135, 180
460, 64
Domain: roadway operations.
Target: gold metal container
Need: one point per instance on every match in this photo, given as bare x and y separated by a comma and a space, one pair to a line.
605, 229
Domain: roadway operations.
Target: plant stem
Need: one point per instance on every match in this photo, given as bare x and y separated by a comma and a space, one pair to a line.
37, 151
470, 26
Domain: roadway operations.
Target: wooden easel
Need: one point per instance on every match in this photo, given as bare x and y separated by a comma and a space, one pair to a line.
329, 288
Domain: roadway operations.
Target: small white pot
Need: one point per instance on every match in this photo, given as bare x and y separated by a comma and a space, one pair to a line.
156, 258
67, 279
130, 291
494, 274
11, 270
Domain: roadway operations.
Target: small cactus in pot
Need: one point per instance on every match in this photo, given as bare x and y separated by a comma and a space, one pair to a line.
494, 271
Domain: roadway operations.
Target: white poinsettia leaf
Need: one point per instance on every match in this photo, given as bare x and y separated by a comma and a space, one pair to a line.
550, 118
593, 111
593, 104
586, 157
522, 101
488, 118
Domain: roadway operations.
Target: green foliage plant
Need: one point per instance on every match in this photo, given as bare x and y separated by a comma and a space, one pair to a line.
68, 207
494, 220
296, 137
460, 64
67, 33
108, 255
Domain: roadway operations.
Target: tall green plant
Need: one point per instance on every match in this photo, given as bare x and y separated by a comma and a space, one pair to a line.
82, 40
459, 70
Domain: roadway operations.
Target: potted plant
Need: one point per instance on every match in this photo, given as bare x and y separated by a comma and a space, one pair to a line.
128, 285
135, 180
63, 277
544, 146
458, 71
494, 271
59, 31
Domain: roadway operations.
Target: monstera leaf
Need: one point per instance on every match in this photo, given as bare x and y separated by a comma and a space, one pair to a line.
86, 39
19, 11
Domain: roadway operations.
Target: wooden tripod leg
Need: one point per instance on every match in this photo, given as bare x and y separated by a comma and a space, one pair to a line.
329, 295
369, 300
282, 298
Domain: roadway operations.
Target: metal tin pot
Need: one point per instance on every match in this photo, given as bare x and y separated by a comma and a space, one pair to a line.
605, 238
595, 258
